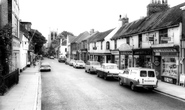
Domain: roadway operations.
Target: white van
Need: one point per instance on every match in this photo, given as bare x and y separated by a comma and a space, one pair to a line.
139, 77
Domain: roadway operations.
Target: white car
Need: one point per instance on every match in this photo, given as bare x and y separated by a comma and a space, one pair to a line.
79, 64
45, 67
108, 70
91, 66
139, 77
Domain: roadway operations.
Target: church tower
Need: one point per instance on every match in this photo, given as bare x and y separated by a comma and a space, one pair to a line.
157, 6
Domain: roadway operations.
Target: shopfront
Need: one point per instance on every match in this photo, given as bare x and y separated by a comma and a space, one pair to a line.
142, 58
115, 56
125, 59
169, 68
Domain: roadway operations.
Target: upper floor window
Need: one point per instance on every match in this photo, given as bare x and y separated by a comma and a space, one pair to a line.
101, 45
127, 40
115, 44
163, 34
107, 45
140, 41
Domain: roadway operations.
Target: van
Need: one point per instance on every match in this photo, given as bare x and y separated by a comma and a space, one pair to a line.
139, 77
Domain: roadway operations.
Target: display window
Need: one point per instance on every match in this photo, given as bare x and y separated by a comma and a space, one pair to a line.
142, 61
169, 67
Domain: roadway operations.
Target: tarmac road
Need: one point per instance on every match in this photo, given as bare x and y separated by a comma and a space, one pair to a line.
67, 88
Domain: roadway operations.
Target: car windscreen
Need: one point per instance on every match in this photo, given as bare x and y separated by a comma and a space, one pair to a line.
45, 65
95, 63
111, 67
79, 61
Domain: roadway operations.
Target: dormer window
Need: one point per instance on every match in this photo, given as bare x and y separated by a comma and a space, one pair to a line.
107, 45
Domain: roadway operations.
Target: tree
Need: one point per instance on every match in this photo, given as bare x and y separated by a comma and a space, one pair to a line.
37, 40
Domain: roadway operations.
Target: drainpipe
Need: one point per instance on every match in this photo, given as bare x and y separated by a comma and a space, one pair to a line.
182, 40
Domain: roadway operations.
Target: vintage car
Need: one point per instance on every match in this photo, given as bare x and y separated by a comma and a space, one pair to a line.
45, 67
91, 66
71, 62
108, 70
139, 77
79, 64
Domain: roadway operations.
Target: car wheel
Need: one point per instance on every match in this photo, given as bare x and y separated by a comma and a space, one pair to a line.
120, 82
85, 70
105, 77
132, 87
151, 89
98, 74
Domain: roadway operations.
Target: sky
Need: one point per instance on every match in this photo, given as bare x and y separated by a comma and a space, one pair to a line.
77, 16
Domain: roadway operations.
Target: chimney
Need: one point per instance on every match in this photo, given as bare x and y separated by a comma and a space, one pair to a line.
91, 31
123, 20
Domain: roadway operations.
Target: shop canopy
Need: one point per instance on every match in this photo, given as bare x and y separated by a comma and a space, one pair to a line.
125, 47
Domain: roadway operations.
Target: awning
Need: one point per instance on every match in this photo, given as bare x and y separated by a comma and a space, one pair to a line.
125, 47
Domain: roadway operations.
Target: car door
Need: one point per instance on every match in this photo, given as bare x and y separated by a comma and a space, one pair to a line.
124, 76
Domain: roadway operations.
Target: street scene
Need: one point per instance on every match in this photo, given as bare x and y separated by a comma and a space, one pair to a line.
92, 55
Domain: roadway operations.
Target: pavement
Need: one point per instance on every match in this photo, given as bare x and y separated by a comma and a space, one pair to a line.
26, 95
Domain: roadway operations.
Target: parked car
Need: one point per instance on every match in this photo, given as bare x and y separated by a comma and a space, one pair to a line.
108, 70
71, 62
139, 77
67, 61
52, 57
61, 59
79, 64
45, 67
91, 66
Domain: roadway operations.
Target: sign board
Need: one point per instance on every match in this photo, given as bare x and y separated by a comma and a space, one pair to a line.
165, 50
115, 52
166, 38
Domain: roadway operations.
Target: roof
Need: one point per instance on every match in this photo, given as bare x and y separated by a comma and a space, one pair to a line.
90, 35
71, 38
83, 36
90, 39
169, 18
100, 36
79, 37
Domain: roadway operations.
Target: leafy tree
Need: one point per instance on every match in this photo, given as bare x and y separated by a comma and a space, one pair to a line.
37, 40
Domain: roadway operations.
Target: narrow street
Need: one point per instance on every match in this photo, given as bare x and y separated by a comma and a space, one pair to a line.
67, 88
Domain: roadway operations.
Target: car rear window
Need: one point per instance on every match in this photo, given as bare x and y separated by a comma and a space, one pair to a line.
143, 74
96, 63
151, 74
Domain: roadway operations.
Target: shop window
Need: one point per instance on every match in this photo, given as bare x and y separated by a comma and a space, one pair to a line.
107, 45
65, 49
115, 44
163, 34
140, 41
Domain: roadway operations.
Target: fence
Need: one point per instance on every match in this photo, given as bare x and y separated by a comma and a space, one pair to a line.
9, 80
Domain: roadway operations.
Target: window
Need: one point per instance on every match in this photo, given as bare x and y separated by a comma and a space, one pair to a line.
101, 45
162, 35
65, 49
115, 44
143, 74
107, 45
140, 41
151, 74
127, 40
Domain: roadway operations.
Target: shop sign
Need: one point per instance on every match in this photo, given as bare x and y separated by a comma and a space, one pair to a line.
157, 60
126, 52
164, 50
169, 54
166, 38
142, 52
115, 52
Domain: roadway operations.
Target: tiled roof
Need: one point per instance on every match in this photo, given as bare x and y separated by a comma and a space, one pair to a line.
101, 36
170, 18
90, 39
71, 38
78, 38
84, 35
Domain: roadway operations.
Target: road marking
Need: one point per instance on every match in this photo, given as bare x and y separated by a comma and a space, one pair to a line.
171, 96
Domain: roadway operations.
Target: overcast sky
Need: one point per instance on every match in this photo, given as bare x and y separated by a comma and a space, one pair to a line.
77, 16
